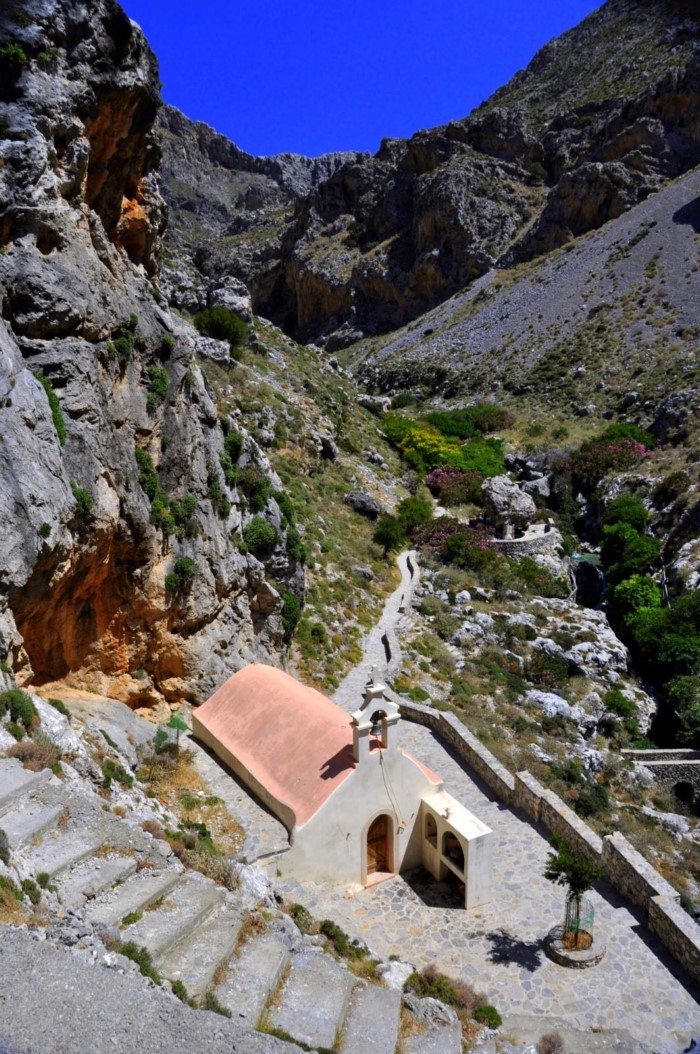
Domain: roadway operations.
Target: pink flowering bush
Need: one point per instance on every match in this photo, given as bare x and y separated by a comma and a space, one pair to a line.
596, 459
454, 486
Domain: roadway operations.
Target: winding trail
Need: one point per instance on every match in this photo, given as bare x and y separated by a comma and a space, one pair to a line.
380, 647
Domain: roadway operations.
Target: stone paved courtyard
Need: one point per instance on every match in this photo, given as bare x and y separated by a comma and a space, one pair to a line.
498, 948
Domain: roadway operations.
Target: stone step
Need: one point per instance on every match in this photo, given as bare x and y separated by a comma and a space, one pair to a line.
434, 1041
252, 978
135, 895
60, 851
23, 826
195, 960
88, 880
441, 1031
372, 1021
314, 999
185, 908
16, 782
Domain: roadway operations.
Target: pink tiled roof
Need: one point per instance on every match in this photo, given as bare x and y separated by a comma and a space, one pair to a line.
293, 740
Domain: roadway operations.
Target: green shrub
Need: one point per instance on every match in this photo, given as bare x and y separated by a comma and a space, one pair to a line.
389, 533
45, 530
670, 488
291, 613
21, 708
296, 550
158, 385
260, 537
61, 707
182, 512
83, 500
13, 58
43, 879
181, 575
148, 475
112, 770
142, 958
625, 552
471, 420
486, 1014
121, 347
344, 946
220, 503
31, 890
629, 510
629, 596
167, 343
412, 512
222, 324
613, 433
684, 697
619, 704
55, 407
592, 799
184, 567
547, 671
285, 506
256, 487
233, 444
178, 989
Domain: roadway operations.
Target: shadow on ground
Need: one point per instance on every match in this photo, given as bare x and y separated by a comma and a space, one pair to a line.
506, 949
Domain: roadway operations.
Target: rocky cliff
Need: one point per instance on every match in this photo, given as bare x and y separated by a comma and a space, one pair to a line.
355, 245
118, 571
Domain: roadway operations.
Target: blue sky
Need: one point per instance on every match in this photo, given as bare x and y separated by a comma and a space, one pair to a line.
311, 76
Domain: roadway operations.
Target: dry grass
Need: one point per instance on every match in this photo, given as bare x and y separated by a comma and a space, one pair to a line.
37, 753
172, 777
254, 925
409, 1027
11, 908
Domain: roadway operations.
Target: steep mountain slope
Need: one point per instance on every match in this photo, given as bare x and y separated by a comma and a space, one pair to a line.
615, 311
601, 118
117, 569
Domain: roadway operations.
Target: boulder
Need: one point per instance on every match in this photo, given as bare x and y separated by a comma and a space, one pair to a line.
233, 294
507, 503
363, 502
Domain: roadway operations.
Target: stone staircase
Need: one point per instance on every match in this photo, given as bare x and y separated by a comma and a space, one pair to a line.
112, 879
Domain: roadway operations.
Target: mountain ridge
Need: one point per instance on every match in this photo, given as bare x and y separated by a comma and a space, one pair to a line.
386, 237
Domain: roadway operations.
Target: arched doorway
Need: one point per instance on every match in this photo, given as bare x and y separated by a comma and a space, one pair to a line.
380, 846
684, 793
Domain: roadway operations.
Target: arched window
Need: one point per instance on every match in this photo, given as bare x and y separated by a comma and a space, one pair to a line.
452, 850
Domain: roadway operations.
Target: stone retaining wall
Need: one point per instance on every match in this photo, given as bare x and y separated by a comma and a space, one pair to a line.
677, 932
548, 809
529, 546
626, 869
632, 874
675, 754
479, 759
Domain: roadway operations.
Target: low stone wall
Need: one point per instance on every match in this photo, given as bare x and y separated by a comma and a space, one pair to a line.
548, 809
674, 754
677, 932
632, 874
479, 759
529, 545
626, 869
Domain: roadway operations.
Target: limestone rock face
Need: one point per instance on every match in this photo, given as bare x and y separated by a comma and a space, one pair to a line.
89, 534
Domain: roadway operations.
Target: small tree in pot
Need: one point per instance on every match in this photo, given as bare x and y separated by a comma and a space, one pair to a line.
579, 872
